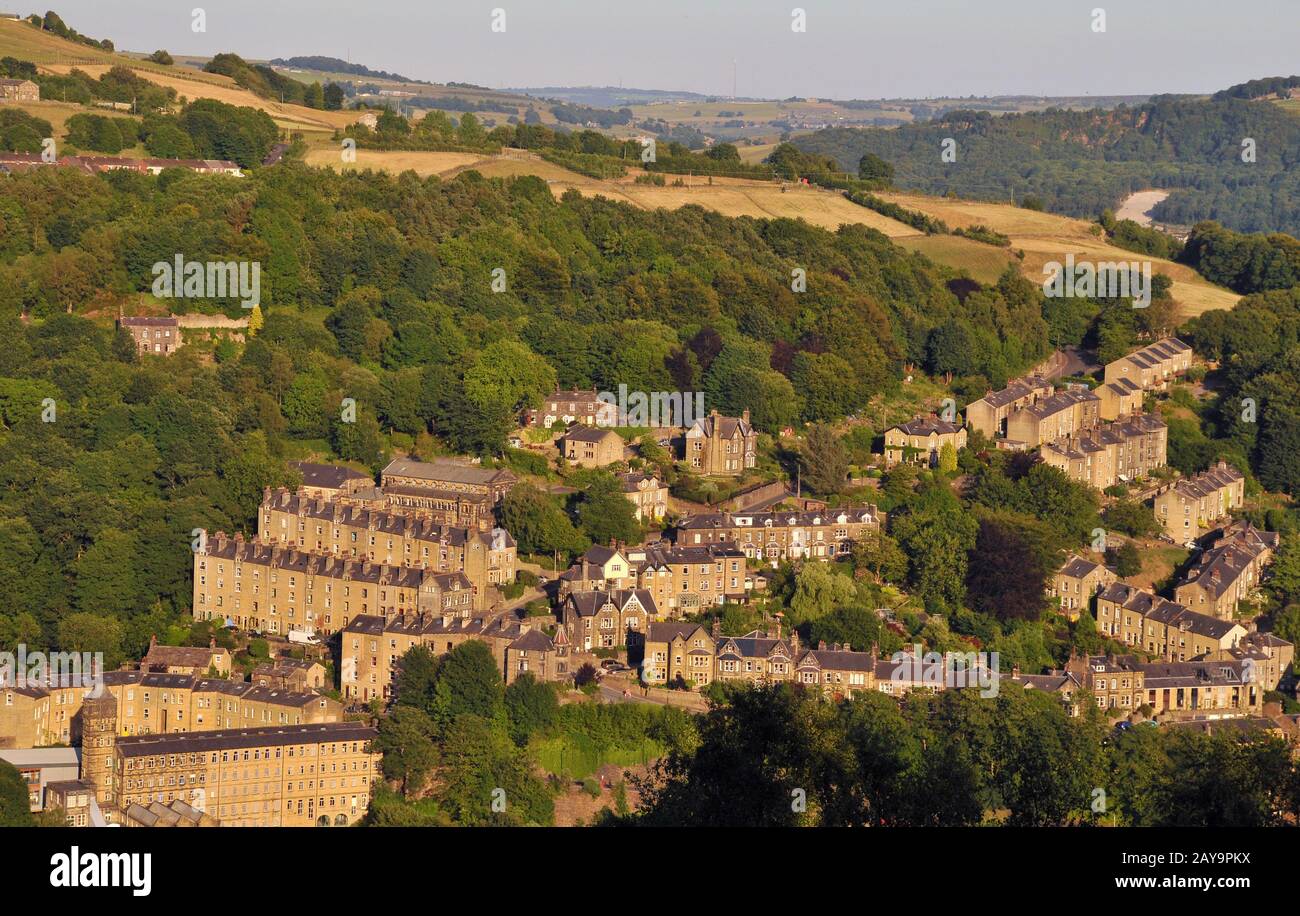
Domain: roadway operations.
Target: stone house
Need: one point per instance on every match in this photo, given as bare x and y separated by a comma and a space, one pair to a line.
589, 447
1077, 583
718, 446
1189, 509
920, 440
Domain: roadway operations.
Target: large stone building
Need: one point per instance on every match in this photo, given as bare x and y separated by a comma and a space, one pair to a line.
1228, 571
718, 446
774, 535
1190, 508
687, 653
372, 645
1153, 367
144, 702
272, 589
1077, 583
920, 440
1171, 690
989, 414
1118, 452
451, 492
279, 776
341, 528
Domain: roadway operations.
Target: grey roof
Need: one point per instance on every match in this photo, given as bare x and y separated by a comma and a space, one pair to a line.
1078, 567
588, 604
444, 470
230, 739
925, 426
333, 476
1015, 390
590, 434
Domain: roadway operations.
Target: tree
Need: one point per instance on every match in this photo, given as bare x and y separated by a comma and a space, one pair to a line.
531, 706
948, 458
872, 168
537, 522
878, 555
605, 514
1013, 560
86, 632
333, 96
1125, 559
1132, 518
487, 780
818, 590
415, 678
937, 535
15, 806
470, 130
775, 747
406, 741
823, 460
161, 57
468, 684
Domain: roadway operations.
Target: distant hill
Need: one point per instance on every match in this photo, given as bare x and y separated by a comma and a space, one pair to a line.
1081, 162
335, 65
610, 96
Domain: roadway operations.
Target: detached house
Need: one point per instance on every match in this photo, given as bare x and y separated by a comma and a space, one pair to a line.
674, 650
647, 495
718, 446
159, 335
919, 441
19, 91
587, 447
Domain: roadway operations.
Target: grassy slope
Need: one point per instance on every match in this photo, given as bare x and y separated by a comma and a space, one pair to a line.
1048, 237
57, 55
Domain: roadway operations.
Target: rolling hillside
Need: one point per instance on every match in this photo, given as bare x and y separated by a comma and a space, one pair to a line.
57, 55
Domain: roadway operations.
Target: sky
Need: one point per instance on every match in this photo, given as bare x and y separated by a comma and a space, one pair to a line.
850, 48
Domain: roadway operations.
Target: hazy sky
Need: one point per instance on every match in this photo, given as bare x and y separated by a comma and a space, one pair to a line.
851, 49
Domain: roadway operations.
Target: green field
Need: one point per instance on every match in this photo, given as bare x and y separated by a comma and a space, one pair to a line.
580, 759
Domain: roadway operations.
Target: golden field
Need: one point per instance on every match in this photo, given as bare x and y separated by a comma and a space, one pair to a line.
1047, 237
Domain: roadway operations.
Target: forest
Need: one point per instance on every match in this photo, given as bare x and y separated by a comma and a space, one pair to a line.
1080, 163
